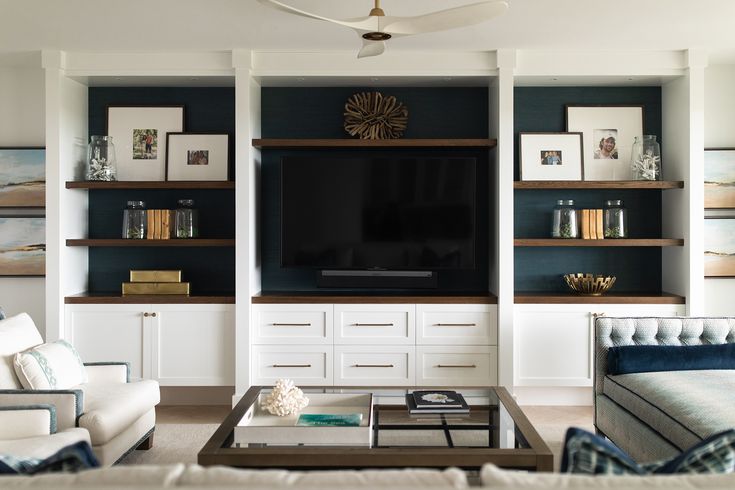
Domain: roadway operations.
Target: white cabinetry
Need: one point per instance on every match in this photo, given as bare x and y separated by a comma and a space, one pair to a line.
175, 344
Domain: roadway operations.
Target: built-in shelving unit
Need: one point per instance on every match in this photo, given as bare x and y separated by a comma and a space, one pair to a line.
521, 297
122, 242
359, 143
599, 184
186, 184
316, 298
616, 242
113, 298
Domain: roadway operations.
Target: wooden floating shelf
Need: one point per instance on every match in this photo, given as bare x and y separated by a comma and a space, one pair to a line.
122, 242
113, 298
607, 298
189, 184
600, 184
272, 298
610, 242
358, 143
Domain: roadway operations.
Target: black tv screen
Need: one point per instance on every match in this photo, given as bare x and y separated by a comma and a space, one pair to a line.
378, 213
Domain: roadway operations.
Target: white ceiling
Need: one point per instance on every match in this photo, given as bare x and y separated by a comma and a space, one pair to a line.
27, 26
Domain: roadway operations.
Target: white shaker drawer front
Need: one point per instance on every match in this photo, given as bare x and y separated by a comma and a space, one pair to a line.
292, 324
456, 325
373, 365
304, 364
456, 366
374, 324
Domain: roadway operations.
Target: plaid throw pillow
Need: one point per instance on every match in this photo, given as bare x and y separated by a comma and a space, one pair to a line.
587, 453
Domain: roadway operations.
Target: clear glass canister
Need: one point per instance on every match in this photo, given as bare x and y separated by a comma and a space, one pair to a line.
565, 220
101, 161
187, 219
134, 220
615, 219
645, 158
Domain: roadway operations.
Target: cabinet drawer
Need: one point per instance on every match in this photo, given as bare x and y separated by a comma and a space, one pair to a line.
456, 366
457, 325
292, 324
373, 365
374, 324
304, 364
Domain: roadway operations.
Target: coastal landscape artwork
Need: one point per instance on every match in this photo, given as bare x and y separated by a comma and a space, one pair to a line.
22, 246
719, 246
22, 177
719, 179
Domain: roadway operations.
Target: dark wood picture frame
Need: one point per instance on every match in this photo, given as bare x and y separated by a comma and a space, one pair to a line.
38, 190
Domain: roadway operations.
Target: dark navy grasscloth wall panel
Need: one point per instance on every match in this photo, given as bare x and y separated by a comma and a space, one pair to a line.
638, 270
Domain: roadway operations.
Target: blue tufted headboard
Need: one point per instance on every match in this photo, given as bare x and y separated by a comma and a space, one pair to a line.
611, 331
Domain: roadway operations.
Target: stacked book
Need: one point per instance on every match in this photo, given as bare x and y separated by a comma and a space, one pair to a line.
590, 221
159, 224
420, 402
155, 282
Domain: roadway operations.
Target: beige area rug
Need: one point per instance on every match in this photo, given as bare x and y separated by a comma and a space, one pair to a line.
174, 443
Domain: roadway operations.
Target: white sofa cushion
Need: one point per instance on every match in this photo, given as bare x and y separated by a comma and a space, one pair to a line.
52, 366
42, 446
17, 334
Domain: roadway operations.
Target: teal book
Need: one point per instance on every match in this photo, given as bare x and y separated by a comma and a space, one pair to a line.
329, 420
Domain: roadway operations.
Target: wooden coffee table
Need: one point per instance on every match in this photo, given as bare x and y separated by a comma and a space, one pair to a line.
496, 431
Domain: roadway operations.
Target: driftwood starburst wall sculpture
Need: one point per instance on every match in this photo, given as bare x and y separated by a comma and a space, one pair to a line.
371, 115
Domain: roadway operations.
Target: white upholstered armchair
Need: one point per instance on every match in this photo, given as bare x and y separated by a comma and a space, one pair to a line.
98, 399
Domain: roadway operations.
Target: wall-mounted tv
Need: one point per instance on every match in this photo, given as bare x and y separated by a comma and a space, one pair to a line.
393, 213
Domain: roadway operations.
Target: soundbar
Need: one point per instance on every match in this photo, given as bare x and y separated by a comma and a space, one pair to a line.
378, 279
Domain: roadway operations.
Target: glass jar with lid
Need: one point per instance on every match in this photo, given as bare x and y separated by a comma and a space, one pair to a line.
615, 219
187, 219
565, 220
134, 220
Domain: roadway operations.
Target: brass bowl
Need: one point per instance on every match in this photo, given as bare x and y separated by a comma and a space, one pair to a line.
589, 284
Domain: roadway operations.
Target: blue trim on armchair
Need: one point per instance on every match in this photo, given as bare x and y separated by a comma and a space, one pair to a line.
113, 363
38, 406
2, 313
78, 397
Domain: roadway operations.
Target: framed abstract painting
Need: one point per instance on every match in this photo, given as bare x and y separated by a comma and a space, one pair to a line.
23, 177
22, 246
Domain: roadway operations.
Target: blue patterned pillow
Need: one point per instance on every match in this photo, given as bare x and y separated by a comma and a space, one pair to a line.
587, 453
72, 458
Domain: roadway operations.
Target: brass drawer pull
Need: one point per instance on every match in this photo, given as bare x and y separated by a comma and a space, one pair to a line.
456, 365
371, 325
291, 365
373, 365
455, 325
291, 324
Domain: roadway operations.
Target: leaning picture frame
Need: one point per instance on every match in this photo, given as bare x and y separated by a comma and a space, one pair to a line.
608, 135
23, 177
197, 156
719, 246
719, 178
22, 246
551, 156
139, 136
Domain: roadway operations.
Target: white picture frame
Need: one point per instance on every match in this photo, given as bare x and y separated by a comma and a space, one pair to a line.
197, 156
140, 159
599, 124
551, 156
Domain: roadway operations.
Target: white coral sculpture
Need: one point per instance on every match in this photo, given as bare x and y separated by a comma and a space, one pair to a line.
285, 399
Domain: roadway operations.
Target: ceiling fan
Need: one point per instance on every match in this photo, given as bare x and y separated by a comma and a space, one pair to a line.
377, 27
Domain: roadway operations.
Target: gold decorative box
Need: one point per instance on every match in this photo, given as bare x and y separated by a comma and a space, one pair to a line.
131, 288
155, 276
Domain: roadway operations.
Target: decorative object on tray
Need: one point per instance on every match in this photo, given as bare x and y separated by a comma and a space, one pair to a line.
186, 219
285, 399
22, 246
420, 402
139, 133
719, 179
589, 284
591, 224
564, 224
551, 156
155, 282
101, 159
329, 420
373, 116
22, 177
197, 156
719, 246
135, 220
645, 158
615, 220
608, 133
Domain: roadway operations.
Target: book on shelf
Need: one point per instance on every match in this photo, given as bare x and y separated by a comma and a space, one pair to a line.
436, 402
585, 223
329, 420
598, 223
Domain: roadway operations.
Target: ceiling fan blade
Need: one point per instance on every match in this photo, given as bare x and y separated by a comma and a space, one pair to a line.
366, 23
371, 48
442, 20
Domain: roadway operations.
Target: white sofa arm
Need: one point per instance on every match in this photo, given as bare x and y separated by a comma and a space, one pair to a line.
68, 403
108, 372
27, 421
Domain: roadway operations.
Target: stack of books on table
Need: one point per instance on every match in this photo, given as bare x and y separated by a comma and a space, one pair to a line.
420, 402
155, 282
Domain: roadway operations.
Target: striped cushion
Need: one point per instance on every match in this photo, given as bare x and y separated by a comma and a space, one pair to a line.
51, 366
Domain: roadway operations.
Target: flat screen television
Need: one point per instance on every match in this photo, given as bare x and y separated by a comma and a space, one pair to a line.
378, 213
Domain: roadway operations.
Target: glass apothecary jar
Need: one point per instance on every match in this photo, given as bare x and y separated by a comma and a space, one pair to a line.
134, 220
565, 220
645, 158
187, 219
101, 161
615, 219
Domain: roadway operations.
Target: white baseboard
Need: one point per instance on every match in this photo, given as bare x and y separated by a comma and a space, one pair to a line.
571, 396
196, 395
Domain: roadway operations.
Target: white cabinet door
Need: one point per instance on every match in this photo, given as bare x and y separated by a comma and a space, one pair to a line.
193, 345
110, 333
456, 324
292, 324
374, 324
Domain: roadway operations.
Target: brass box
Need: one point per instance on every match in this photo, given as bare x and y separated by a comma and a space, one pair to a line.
155, 276
155, 288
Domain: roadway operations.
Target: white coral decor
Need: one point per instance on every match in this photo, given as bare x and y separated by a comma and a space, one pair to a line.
285, 399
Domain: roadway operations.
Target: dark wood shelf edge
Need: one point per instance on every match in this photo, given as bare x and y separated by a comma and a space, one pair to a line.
112, 298
599, 184
293, 298
121, 242
610, 298
190, 184
358, 143
609, 242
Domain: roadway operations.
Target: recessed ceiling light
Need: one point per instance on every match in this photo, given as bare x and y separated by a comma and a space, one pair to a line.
447, 79
374, 79
118, 78
193, 79
299, 79
630, 79
554, 79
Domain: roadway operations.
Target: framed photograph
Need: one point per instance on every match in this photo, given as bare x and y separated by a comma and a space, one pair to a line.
719, 179
719, 246
608, 134
551, 156
23, 177
139, 136
197, 156
22, 246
